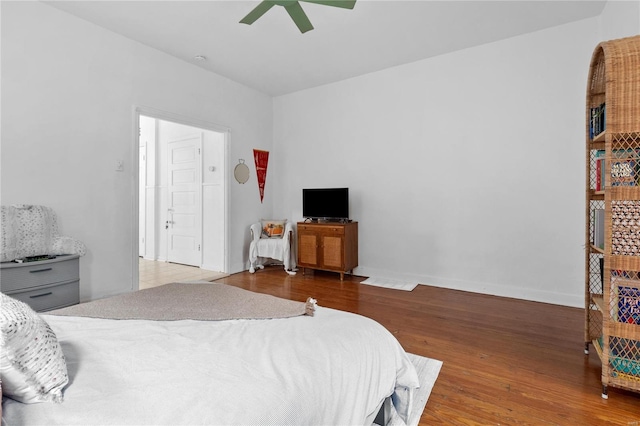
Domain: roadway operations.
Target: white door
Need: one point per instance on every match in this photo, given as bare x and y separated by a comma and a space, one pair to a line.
184, 220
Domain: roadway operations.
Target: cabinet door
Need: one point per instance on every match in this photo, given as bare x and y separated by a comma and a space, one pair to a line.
332, 252
308, 249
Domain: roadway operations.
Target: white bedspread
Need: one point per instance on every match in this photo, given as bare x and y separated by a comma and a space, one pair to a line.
335, 368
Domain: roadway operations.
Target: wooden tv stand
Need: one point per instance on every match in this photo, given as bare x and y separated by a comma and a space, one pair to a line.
329, 246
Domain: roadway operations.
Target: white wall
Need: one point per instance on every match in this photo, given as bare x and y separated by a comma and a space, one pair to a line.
620, 19
213, 208
69, 89
465, 171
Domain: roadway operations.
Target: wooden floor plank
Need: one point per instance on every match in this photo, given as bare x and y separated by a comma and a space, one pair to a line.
506, 361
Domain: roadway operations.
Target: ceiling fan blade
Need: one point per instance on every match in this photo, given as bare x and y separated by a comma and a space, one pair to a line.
345, 4
259, 10
299, 17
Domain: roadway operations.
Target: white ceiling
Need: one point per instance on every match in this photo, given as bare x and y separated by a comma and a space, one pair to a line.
273, 57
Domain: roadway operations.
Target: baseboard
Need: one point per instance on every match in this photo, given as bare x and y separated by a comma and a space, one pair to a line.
212, 267
153, 259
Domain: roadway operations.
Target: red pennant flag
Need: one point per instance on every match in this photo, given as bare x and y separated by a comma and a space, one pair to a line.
261, 159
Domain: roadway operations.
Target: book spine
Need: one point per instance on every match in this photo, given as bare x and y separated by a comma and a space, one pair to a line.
598, 228
597, 123
600, 179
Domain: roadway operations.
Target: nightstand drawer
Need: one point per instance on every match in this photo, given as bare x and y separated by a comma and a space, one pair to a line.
50, 297
334, 230
325, 229
21, 276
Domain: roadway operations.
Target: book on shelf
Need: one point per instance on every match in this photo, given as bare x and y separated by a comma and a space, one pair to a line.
629, 303
597, 122
598, 228
625, 167
624, 357
625, 294
600, 179
624, 173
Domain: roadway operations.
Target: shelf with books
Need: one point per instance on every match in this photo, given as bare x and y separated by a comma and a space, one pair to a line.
612, 261
600, 178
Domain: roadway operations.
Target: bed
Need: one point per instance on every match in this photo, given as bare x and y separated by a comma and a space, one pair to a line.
169, 356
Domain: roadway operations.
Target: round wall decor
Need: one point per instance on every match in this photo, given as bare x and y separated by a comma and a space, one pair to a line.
241, 171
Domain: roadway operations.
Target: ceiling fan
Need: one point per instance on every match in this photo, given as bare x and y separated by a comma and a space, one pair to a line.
295, 10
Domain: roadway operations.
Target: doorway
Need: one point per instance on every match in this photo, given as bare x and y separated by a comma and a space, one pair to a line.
181, 192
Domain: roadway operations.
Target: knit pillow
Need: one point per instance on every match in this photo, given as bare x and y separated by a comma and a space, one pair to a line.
272, 228
32, 365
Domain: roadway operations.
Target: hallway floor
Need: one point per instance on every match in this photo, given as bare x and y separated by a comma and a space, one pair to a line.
153, 274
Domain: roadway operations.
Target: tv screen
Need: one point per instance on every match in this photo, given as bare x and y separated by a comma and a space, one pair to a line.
325, 203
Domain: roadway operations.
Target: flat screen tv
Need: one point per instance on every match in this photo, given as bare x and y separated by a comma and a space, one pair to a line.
325, 204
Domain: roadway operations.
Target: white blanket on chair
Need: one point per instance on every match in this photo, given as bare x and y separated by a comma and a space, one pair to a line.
272, 248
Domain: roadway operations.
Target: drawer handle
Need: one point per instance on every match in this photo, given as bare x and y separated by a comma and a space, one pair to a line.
40, 295
40, 270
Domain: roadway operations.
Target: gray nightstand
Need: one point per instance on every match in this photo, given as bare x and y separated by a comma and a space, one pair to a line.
43, 285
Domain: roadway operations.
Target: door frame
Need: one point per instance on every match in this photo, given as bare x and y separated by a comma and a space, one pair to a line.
142, 208
139, 110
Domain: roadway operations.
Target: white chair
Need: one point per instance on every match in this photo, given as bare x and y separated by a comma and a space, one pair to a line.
263, 246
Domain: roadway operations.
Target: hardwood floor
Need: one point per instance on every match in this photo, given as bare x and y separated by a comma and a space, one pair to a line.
506, 361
